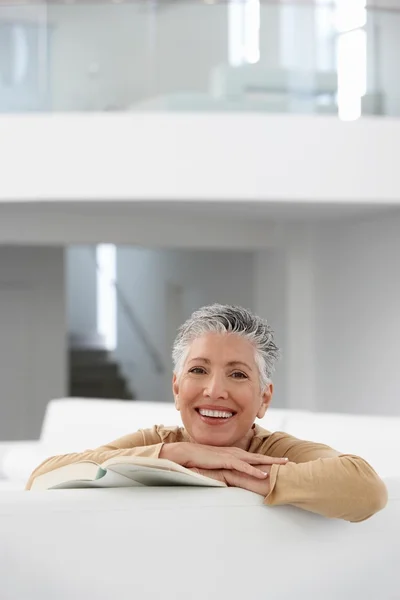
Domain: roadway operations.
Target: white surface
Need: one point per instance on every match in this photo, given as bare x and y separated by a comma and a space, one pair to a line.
173, 153
88, 423
7, 448
19, 462
374, 438
300, 359
357, 299
269, 302
159, 225
335, 306
7, 485
81, 544
33, 335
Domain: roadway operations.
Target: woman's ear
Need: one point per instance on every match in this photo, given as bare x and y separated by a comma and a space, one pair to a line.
266, 400
175, 391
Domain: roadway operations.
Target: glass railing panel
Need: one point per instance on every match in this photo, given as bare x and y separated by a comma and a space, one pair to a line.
335, 57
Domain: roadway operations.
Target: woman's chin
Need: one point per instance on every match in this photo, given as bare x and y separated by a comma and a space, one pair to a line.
213, 437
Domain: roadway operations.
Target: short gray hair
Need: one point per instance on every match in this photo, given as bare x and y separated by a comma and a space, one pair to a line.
223, 318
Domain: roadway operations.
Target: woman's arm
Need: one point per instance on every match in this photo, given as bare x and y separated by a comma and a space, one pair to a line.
159, 442
129, 445
321, 480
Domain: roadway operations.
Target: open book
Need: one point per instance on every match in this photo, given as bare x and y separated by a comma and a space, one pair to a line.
123, 471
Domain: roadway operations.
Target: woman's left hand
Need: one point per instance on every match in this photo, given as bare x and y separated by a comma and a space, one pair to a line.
240, 480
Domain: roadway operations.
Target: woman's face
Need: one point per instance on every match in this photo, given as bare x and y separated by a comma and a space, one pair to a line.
218, 392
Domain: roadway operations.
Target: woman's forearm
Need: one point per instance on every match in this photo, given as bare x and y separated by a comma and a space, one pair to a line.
99, 456
344, 487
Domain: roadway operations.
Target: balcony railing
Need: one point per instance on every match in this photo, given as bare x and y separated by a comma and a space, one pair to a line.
325, 57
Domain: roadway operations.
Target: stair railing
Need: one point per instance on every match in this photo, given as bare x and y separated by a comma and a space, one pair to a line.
134, 322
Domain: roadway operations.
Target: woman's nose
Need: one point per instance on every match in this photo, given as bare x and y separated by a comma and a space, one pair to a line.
215, 388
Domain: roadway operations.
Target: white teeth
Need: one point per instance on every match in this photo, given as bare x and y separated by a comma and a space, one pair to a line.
215, 413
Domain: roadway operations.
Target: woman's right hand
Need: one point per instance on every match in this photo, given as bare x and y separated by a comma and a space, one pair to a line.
200, 456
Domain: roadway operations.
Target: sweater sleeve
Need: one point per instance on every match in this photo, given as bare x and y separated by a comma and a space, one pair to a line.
321, 480
142, 443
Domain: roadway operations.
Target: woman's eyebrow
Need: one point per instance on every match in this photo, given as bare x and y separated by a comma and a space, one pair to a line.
231, 363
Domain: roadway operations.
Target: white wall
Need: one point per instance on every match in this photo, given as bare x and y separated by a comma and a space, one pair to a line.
332, 291
142, 224
81, 289
270, 289
32, 337
286, 296
300, 317
146, 277
358, 316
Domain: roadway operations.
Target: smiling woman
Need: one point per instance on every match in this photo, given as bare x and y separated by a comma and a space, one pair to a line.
224, 357
220, 374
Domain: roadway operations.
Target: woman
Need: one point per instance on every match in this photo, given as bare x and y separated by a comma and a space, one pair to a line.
224, 357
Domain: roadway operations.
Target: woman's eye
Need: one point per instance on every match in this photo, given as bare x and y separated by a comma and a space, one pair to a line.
197, 370
239, 375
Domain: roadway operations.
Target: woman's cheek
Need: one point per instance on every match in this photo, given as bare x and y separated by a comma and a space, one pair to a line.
190, 388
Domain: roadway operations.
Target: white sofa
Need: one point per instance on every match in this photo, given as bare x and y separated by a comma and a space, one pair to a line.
186, 543
75, 424
190, 544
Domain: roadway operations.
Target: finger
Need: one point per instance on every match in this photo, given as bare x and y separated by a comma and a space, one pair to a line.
254, 458
244, 467
259, 459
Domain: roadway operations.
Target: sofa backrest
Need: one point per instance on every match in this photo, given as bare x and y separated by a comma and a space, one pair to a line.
203, 543
375, 438
86, 423
76, 424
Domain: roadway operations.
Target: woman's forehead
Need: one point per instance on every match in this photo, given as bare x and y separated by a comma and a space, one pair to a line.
221, 346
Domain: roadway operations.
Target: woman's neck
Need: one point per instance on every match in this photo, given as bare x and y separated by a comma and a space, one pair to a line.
245, 442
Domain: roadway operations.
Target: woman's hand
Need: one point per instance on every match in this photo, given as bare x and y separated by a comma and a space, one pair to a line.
240, 480
198, 456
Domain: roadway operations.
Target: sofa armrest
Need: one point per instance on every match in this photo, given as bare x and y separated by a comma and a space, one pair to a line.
23, 448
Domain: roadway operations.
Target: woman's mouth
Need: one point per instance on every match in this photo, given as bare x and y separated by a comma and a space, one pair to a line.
215, 417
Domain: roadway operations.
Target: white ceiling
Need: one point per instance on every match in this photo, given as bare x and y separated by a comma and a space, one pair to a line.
278, 211
274, 212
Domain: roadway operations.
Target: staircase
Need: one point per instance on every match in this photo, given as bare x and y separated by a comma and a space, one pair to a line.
93, 373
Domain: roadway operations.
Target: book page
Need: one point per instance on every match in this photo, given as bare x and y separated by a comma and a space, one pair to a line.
119, 463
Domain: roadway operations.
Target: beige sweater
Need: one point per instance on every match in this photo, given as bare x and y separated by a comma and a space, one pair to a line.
317, 478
